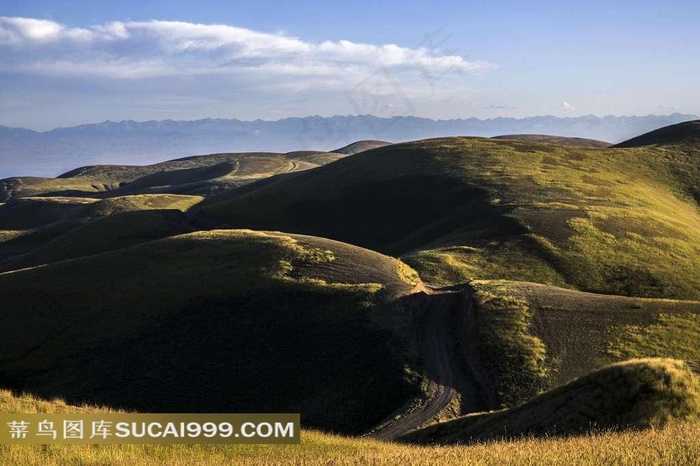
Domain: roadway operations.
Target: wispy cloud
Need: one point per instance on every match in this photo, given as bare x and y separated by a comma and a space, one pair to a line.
501, 107
132, 50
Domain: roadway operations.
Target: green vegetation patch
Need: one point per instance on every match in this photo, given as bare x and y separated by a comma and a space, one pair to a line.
674, 336
513, 357
512, 260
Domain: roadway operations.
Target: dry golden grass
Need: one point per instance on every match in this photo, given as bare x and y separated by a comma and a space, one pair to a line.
675, 444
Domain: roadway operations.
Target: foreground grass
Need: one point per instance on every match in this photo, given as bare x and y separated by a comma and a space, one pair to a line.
677, 444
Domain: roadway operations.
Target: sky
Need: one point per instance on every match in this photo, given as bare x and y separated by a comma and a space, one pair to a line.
70, 62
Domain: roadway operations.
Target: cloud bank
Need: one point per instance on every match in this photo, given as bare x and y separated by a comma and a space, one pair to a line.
136, 49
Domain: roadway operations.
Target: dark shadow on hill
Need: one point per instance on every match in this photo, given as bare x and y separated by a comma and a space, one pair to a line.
268, 351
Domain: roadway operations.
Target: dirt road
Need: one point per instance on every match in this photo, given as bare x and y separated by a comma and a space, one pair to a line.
441, 363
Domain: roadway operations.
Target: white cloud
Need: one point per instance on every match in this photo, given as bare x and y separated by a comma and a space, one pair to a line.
124, 50
565, 107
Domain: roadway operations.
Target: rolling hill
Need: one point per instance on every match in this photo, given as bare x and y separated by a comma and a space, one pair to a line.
620, 221
227, 321
266, 282
189, 175
520, 339
65, 228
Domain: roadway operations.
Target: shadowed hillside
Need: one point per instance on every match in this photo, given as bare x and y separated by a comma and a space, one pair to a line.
221, 321
66, 228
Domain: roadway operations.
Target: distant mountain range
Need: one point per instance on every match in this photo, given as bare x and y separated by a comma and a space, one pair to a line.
31, 153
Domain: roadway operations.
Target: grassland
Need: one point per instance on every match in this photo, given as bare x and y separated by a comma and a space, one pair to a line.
617, 221
676, 443
111, 296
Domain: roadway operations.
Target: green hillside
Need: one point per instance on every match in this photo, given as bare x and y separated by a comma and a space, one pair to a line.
220, 321
620, 221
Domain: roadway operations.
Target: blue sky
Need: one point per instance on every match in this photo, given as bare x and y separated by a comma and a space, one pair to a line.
71, 62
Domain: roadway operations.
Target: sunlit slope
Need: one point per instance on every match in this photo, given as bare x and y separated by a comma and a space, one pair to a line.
630, 395
219, 321
523, 338
619, 221
361, 146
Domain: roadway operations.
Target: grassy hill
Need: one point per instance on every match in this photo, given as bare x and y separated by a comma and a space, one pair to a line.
620, 221
677, 443
629, 395
189, 175
220, 321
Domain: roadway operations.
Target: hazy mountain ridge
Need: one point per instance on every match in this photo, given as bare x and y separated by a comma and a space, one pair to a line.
49, 153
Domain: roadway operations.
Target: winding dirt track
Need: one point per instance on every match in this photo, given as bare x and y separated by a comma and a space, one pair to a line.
441, 365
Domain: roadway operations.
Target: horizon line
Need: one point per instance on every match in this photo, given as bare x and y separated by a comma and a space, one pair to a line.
353, 116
